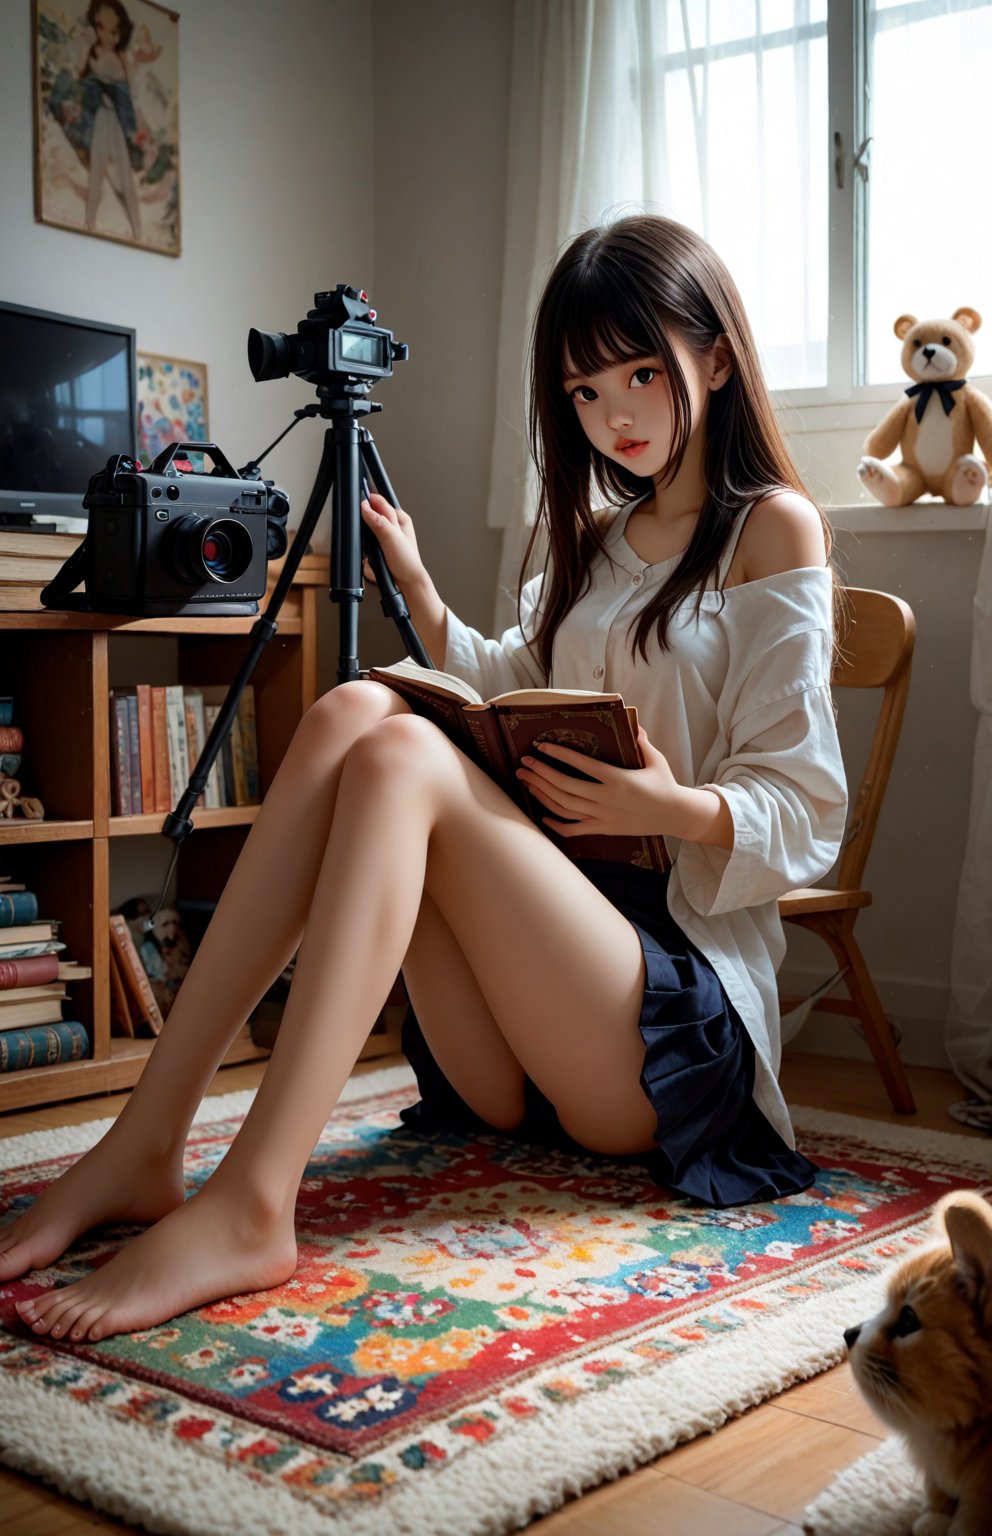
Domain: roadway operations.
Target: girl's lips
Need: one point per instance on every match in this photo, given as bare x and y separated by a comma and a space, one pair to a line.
631, 450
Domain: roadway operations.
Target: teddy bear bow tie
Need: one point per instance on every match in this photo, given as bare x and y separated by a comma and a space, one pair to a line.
945, 391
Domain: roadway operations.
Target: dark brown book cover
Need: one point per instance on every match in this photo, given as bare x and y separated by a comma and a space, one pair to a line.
141, 998
121, 1022
497, 733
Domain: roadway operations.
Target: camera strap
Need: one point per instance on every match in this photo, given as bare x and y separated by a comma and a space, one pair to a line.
65, 581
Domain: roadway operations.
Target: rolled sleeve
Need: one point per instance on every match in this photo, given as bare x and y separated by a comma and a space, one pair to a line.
496, 666
785, 787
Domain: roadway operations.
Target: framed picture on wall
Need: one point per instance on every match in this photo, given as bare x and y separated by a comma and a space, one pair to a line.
106, 120
172, 404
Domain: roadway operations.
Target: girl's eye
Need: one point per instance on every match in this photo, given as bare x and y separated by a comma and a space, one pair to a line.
583, 392
643, 376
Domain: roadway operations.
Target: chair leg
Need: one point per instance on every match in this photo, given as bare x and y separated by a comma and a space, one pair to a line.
876, 1026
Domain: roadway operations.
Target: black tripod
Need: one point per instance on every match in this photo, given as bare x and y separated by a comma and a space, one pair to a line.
349, 456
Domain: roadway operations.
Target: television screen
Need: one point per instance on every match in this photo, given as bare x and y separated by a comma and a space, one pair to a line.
67, 401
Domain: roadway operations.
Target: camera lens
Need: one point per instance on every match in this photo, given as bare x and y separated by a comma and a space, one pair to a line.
209, 549
270, 355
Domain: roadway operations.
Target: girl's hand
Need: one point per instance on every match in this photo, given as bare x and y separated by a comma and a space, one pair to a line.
622, 801
393, 529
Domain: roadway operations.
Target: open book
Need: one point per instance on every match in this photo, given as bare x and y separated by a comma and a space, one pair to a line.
497, 733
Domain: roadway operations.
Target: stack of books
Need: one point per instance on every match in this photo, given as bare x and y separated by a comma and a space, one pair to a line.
11, 742
33, 1032
156, 737
28, 562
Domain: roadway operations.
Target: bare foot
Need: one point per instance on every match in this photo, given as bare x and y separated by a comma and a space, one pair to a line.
113, 1181
213, 1247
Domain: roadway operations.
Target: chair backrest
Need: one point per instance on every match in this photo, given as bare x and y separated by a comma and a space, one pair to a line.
876, 653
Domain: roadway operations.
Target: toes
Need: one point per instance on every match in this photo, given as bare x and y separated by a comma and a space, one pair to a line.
85, 1321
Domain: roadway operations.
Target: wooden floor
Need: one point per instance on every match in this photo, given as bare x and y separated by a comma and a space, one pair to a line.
753, 1477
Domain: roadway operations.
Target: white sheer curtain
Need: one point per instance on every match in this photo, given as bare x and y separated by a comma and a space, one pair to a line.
968, 1027
616, 105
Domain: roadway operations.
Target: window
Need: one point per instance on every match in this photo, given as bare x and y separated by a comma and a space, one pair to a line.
831, 151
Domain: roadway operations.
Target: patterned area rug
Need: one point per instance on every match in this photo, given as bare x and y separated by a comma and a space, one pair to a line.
477, 1330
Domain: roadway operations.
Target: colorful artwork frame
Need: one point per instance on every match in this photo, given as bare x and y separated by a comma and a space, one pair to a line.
172, 403
106, 121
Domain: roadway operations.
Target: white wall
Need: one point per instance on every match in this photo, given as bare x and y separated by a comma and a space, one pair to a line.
275, 167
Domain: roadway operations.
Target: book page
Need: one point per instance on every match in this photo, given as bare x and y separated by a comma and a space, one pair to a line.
428, 677
555, 696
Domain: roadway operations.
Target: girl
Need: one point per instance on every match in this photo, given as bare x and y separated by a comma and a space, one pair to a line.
601, 1006
107, 90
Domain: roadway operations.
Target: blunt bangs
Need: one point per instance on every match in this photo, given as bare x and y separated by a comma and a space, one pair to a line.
602, 319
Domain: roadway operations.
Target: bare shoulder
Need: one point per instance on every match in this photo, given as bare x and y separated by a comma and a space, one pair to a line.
783, 532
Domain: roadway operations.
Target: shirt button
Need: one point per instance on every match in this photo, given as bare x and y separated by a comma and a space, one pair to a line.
635, 580
598, 671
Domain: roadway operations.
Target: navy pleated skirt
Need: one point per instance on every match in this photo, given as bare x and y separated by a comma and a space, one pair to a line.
713, 1143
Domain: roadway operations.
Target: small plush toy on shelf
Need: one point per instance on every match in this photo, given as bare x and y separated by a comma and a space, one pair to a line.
937, 422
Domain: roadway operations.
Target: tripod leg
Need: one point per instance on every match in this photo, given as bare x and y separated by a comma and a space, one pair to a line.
177, 824
393, 602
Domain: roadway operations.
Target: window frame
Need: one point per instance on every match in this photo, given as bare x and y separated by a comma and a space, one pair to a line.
848, 401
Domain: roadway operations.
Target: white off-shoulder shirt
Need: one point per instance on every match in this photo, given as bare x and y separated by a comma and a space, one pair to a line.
739, 704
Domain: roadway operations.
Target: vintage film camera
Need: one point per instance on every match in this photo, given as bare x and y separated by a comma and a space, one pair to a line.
171, 540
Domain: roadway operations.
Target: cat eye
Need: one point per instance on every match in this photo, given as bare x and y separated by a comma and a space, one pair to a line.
907, 1322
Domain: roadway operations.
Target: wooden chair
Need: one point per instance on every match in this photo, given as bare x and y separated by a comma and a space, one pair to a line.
876, 653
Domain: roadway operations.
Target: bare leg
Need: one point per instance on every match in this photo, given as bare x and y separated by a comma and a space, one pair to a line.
135, 1173
560, 967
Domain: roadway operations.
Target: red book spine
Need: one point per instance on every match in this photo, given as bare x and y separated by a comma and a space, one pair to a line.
32, 971
11, 738
145, 749
160, 749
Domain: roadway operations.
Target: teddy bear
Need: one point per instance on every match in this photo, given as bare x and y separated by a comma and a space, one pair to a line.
937, 422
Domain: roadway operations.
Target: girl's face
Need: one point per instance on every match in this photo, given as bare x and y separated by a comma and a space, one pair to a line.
626, 410
107, 27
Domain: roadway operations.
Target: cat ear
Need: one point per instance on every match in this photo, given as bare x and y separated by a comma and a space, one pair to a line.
968, 1219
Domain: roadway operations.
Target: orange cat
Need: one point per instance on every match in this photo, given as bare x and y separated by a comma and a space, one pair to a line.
925, 1365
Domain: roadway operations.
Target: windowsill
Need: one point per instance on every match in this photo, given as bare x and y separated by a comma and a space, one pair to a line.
926, 516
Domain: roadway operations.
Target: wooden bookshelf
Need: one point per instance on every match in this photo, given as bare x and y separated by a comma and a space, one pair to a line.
60, 668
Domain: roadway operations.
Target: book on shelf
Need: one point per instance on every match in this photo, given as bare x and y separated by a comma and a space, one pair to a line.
162, 777
120, 753
215, 778
38, 972
31, 1005
140, 997
195, 738
25, 950
122, 1021
496, 733
49, 546
133, 750
10, 885
41, 932
11, 739
17, 907
175, 713
249, 743
44, 1045
146, 752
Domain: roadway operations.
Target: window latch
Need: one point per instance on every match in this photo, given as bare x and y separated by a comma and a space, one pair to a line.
858, 161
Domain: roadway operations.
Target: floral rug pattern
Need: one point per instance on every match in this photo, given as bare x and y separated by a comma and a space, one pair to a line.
450, 1289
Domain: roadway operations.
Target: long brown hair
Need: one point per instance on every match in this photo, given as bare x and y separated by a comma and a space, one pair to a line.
620, 292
